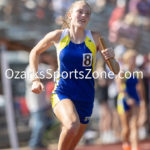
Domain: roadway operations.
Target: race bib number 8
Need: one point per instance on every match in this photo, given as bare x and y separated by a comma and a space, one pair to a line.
87, 59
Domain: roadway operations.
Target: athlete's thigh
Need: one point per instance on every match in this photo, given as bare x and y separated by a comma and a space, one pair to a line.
125, 118
65, 111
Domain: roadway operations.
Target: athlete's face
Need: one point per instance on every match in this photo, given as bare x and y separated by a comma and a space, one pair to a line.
80, 15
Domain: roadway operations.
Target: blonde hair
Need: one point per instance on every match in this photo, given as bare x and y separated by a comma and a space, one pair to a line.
129, 54
66, 20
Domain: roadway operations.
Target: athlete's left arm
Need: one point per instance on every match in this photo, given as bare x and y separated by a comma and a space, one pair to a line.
141, 91
107, 53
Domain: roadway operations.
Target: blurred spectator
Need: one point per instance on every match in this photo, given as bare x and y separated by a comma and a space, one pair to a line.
43, 12
39, 106
125, 26
5, 9
114, 21
113, 92
143, 7
133, 6
60, 7
118, 12
145, 67
128, 32
104, 110
111, 1
99, 5
115, 121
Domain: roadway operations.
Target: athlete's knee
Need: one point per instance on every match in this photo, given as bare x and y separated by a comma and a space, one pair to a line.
134, 132
72, 126
125, 132
134, 125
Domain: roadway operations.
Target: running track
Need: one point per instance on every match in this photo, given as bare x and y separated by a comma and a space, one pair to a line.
144, 145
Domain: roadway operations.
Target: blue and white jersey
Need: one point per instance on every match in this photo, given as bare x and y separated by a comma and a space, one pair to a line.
75, 67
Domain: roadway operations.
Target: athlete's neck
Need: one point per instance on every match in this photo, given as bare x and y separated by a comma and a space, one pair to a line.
77, 35
131, 68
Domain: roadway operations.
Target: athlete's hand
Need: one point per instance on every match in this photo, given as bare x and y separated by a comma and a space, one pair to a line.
37, 87
130, 101
108, 53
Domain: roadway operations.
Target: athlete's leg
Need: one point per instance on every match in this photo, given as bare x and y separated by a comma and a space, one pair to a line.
124, 118
66, 113
78, 136
134, 128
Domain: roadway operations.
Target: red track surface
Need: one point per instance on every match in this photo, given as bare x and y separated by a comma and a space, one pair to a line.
144, 145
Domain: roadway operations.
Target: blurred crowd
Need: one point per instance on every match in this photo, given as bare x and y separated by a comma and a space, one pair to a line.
128, 29
25, 11
129, 26
107, 94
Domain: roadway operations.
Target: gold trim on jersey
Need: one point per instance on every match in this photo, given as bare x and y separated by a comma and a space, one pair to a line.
120, 105
54, 99
62, 44
92, 48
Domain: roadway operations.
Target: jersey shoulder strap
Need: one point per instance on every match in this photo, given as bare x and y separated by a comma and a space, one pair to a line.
64, 40
89, 34
64, 33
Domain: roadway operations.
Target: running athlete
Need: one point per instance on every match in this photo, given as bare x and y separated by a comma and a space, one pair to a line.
73, 95
131, 94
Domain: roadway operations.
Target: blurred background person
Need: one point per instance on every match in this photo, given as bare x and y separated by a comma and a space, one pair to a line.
38, 105
143, 62
114, 20
131, 93
60, 7
113, 92
101, 94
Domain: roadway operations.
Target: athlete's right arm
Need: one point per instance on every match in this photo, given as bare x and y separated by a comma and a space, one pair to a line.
50, 39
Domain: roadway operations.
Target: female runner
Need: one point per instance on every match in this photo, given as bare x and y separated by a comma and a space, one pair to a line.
73, 95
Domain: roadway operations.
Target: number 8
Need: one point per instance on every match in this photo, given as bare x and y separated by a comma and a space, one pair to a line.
87, 59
